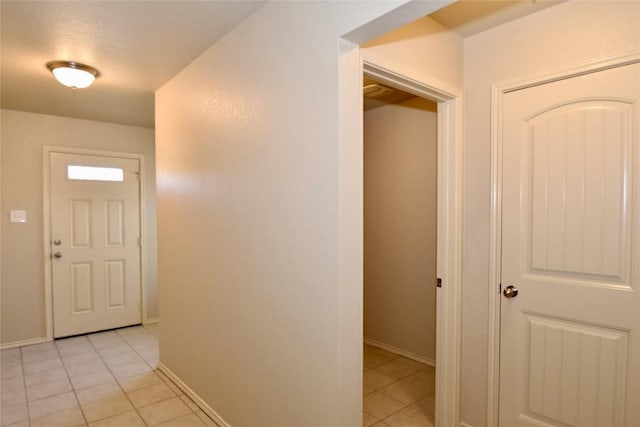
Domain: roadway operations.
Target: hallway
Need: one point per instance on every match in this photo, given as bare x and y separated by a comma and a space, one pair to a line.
110, 379
102, 379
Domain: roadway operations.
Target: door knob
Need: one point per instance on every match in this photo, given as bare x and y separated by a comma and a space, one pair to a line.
58, 255
510, 291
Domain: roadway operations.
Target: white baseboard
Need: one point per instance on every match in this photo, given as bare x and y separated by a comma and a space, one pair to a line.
22, 343
152, 320
193, 396
400, 352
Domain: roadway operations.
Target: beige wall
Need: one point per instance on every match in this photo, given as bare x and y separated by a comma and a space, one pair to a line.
400, 160
559, 37
254, 244
23, 136
425, 46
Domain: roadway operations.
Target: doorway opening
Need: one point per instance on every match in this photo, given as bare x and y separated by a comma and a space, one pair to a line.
400, 246
93, 241
445, 409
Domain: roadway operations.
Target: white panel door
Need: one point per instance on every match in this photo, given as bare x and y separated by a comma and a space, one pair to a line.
95, 247
570, 339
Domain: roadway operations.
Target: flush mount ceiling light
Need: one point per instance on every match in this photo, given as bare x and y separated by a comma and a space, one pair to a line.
73, 74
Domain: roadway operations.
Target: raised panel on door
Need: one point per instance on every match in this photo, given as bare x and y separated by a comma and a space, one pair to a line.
580, 171
80, 219
115, 283
570, 212
576, 373
81, 287
114, 229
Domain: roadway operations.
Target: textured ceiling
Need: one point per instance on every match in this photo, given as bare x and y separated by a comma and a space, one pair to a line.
137, 46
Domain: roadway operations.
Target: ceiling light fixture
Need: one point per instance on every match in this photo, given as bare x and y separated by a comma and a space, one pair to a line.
73, 74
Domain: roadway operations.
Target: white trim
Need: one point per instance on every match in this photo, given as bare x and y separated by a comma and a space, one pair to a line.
449, 251
350, 228
151, 321
495, 260
143, 239
193, 396
407, 79
46, 195
498, 91
588, 67
23, 343
400, 352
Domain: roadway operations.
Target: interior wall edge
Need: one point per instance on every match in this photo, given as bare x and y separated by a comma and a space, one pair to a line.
400, 352
208, 410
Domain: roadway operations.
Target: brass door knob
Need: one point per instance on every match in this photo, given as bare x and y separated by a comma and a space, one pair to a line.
510, 291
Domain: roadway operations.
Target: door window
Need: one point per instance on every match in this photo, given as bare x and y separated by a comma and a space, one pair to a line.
95, 173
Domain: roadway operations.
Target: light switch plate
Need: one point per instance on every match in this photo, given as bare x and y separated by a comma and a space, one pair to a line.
18, 216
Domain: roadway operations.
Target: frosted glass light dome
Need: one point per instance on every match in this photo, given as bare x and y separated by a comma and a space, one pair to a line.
73, 74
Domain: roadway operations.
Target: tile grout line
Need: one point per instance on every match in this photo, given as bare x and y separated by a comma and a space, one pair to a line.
24, 383
136, 351
129, 342
116, 379
86, 422
146, 363
390, 398
124, 338
164, 381
397, 380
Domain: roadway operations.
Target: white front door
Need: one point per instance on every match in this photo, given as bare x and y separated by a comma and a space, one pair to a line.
570, 339
95, 243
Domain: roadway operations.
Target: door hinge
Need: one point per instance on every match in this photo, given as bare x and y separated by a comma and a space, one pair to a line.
139, 175
438, 282
139, 242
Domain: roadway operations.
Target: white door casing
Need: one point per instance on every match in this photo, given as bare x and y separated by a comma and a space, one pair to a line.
570, 351
95, 230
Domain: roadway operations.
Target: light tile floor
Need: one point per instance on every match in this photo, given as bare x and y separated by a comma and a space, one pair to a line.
102, 379
397, 391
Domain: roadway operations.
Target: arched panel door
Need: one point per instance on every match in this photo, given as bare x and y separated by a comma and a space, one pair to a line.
570, 310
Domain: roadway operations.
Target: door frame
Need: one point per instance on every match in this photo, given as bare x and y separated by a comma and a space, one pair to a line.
449, 222
498, 91
46, 206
